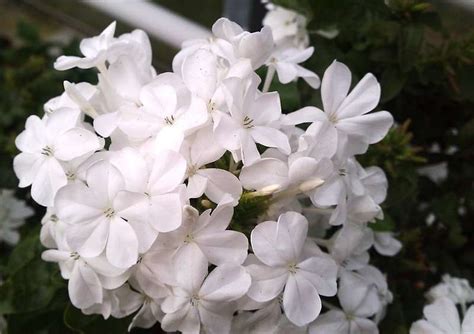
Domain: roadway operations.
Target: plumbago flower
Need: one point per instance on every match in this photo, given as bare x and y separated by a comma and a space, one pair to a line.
441, 315
198, 209
13, 213
283, 265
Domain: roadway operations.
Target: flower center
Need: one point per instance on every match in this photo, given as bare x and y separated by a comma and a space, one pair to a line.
71, 176
333, 118
191, 170
293, 268
211, 106
189, 238
74, 255
47, 151
342, 172
194, 300
169, 120
109, 212
248, 122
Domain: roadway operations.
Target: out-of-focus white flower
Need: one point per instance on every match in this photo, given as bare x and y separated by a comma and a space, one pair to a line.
13, 213
288, 27
441, 317
456, 289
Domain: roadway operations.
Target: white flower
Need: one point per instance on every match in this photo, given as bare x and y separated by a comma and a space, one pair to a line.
118, 303
442, 318
284, 266
285, 61
199, 302
155, 193
206, 235
288, 27
358, 300
95, 216
457, 289
199, 150
94, 50
386, 244
348, 113
87, 276
253, 118
256, 46
13, 213
300, 175
46, 144
104, 48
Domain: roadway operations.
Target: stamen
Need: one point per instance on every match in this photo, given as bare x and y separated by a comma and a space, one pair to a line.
169, 120
47, 151
248, 122
109, 212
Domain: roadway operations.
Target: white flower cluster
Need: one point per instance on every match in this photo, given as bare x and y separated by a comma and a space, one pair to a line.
13, 213
441, 316
128, 169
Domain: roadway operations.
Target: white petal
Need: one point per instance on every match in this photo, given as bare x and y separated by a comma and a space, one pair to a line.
199, 72
76, 203
363, 98
166, 212
105, 124
196, 185
280, 243
190, 267
363, 326
249, 149
225, 283
386, 244
122, 244
185, 320
468, 322
373, 127
267, 282
74, 143
48, 180
223, 247
335, 86
321, 272
443, 315
227, 131
167, 172
271, 137
84, 287
332, 322
264, 173
26, 166
424, 327
219, 183
89, 239
105, 180
304, 115
301, 301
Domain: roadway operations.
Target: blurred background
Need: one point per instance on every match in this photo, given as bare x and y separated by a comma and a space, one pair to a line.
421, 51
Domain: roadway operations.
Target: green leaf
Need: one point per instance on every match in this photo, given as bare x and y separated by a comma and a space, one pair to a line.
384, 225
409, 44
392, 83
27, 32
94, 324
